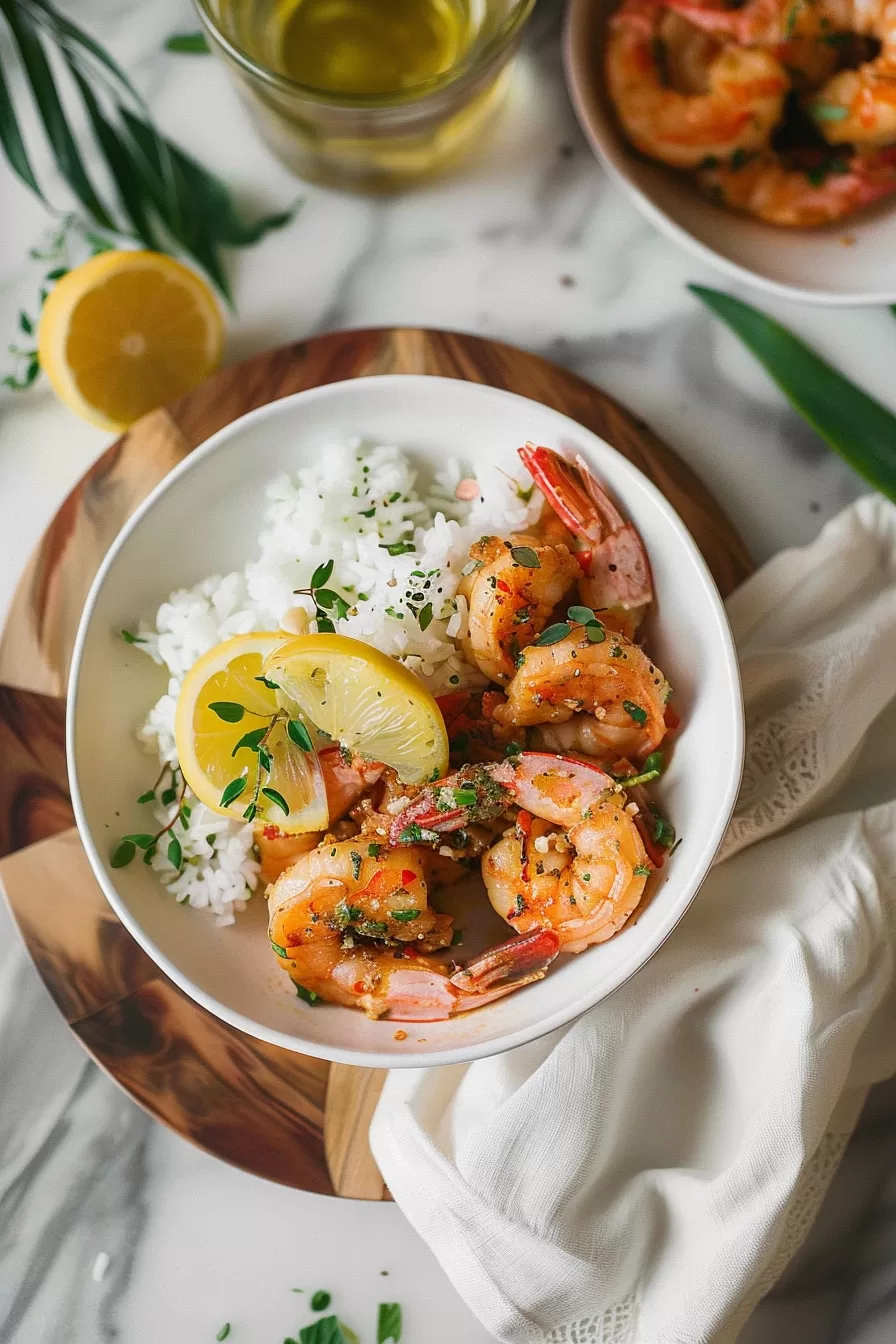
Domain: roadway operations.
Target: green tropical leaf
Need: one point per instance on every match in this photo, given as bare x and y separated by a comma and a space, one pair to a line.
856, 426
43, 87
187, 44
12, 142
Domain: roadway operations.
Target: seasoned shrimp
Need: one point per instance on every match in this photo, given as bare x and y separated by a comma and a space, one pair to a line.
614, 577
791, 197
345, 782
351, 924
746, 88
511, 592
584, 881
769, 23
613, 684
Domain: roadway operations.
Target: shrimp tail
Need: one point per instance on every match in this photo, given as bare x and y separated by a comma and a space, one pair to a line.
517, 962
616, 562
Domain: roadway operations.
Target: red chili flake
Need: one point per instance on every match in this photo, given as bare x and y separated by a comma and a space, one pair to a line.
584, 559
407, 877
671, 719
524, 821
504, 587
358, 987
272, 832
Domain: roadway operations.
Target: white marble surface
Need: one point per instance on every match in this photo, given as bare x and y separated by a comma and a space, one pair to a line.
529, 243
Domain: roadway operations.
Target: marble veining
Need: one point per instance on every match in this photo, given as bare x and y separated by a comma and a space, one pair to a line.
528, 243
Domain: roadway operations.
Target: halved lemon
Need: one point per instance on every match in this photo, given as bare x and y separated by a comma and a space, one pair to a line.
126, 332
221, 711
364, 700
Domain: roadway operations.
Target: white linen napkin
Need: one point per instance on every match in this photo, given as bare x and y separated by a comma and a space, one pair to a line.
643, 1175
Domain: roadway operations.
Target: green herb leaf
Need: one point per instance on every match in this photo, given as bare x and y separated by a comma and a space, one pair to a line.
187, 44
271, 685
397, 547
465, 797
655, 761
320, 1300
424, 616
326, 1330
553, 634
595, 632
232, 792
223, 1332
168, 796
298, 733
147, 797
25, 324
250, 812
582, 615
250, 740
281, 951
828, 111
265, 759
311, 998
635, 712
388, 1325
856, 426
123, 853
513, 749
525, 556
149, 854
641, 870
141, 841
227, 710
277, 799
324, 624
175, 853
405, 916
663, 830
131, 639
326, 598
322, 574
374, 850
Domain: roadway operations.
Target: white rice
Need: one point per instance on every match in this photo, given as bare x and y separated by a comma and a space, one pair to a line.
357, 500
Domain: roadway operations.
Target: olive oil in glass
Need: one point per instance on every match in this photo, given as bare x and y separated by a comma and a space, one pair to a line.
368, 94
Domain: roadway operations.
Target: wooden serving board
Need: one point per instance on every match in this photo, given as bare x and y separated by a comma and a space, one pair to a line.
290, 1118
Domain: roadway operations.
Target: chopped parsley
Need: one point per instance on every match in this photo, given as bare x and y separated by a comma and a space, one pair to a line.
635, 712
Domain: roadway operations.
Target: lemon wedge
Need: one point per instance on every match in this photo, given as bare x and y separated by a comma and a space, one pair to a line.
225, 713
126, 332
364, 700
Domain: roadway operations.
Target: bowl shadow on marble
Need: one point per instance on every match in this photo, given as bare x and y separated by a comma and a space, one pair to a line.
847, 264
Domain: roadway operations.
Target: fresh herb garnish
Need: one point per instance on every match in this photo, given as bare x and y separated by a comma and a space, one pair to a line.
251, 741
321, 1300
223, 1332
310, 997
828, 111
404, 916
281, 951
187, 44
525, 556
553, 634
581, 615
356, 861
298, 733
326, 1330
663, 830
635, 712
228, 710
641, 870
388, 1325
277, 799
424, 616
397, 547
131, 639
233, 791
655, 761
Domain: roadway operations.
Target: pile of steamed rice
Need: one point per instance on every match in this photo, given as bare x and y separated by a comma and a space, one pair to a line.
353, 507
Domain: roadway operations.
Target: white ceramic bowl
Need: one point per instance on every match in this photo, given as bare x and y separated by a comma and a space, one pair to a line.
815, 265
203, 519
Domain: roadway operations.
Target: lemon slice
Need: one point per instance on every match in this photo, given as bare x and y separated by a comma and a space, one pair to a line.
364, 700
126, 332
208, 740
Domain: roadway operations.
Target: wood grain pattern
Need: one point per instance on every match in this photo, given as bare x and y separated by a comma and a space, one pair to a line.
277, 1114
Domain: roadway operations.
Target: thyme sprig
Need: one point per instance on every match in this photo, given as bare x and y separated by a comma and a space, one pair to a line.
126, 849
326, 599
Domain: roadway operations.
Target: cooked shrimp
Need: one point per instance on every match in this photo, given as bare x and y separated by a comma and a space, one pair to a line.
614, 577
859, 106
574, 863
349, 922
584, 881
769, 23
345, 782
612, 682
766, 188
745, 94
511, 592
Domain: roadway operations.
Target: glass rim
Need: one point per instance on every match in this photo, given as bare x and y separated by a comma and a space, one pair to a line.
513, 21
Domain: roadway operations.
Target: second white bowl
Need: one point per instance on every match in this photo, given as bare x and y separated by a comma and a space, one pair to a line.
845, 265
